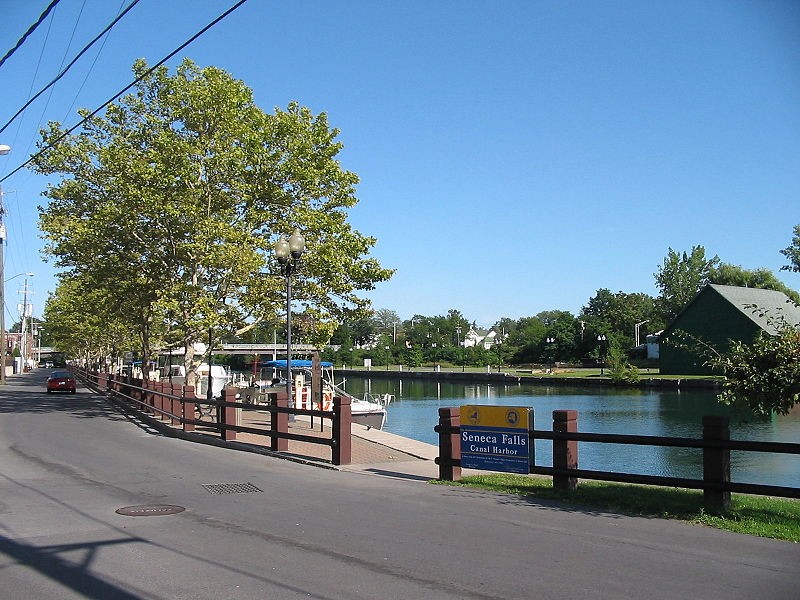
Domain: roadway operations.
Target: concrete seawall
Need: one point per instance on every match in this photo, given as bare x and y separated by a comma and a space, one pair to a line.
510, 378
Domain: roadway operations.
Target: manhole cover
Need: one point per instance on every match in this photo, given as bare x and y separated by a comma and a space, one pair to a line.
150, 510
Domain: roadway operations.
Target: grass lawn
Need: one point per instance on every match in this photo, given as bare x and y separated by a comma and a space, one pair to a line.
776, 518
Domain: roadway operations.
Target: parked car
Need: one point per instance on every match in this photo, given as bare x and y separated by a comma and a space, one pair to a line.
61, 381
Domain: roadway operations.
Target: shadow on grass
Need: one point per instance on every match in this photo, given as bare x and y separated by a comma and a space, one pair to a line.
776, 518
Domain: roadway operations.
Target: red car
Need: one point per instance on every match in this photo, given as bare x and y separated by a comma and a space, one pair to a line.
61, 381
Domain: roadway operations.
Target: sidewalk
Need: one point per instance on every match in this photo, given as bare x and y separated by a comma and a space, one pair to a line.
374, 451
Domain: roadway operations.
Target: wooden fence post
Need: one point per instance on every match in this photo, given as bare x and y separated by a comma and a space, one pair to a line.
279, 422
449, 445
716, 463
187, 401
158, 399
138, 393
228, 414
342, 442
155, 389
565, 452
171, 405
163, 403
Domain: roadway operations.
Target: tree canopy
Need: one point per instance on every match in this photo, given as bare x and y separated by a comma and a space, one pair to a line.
171, 201
728, 274
681, 277
792, 252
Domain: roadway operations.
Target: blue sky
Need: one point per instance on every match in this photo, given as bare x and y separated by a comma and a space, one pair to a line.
514, 156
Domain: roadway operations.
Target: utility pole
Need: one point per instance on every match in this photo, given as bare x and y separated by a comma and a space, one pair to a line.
3, 343
24, 316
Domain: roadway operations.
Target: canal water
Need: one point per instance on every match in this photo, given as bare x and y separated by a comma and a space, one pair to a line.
414, 413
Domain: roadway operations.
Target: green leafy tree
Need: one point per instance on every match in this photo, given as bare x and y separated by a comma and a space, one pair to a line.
526, 340
792, 252
363, 330
616, 315
619, 369
563, 331
727, 274
174, 198
387, 321
414, 357
681, 277
79, 325
763, 377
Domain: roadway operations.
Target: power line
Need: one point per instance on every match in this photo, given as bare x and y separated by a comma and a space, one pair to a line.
31, 29
67, 68
126, 88
88, 73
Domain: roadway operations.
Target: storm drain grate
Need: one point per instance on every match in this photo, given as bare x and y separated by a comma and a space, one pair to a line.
231, 488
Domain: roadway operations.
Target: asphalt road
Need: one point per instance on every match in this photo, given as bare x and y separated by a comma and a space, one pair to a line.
287, 530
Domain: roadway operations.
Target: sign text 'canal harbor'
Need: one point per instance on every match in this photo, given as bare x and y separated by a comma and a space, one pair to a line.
495, 438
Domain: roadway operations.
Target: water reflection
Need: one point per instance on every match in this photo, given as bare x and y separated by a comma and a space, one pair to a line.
634, 411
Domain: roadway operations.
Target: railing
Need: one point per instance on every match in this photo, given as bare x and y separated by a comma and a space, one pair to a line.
177, 405
715, 444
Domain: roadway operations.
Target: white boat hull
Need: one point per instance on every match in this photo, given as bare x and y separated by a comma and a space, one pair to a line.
371, 420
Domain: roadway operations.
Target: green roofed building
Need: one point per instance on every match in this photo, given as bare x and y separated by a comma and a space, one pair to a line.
718, 315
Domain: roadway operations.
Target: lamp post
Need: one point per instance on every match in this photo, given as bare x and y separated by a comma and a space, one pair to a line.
23, 327
636, 331
601, 341
458, 339
288, 254
550, 346
38, 333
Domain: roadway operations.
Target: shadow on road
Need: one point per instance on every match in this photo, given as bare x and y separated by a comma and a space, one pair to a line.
27, 394
77, 577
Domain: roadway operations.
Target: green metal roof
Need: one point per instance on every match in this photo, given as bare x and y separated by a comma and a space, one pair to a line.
763, 307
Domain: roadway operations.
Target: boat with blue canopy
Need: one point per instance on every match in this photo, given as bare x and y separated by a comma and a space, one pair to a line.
369, 411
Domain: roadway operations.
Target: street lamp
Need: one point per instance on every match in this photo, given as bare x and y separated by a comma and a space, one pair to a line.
601, 340
288, 254
550, 341
458, 339
636, 331
37, 333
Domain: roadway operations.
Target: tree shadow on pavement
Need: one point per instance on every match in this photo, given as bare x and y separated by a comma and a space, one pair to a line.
33, 399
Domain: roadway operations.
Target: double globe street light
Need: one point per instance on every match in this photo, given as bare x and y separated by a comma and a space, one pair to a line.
602, 340
288, 253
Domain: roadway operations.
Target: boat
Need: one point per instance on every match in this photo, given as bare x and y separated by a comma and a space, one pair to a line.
219, 379
369, 410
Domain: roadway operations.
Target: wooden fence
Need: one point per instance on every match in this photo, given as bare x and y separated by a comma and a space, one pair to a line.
177, 406
715, 444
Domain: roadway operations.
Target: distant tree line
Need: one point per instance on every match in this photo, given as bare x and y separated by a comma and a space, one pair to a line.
604, 327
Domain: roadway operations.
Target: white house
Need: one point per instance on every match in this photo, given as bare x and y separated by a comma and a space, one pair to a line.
481, 337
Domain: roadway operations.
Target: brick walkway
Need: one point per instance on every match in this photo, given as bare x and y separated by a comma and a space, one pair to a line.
363, 450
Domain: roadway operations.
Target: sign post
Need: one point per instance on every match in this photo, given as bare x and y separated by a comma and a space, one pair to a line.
495, 438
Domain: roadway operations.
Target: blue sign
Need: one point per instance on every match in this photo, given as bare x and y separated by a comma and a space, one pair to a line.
495, 438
